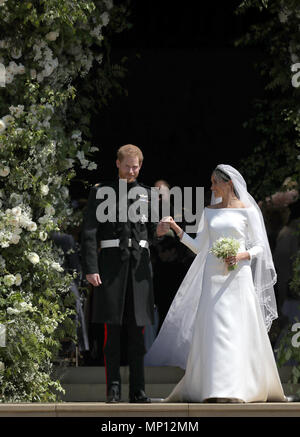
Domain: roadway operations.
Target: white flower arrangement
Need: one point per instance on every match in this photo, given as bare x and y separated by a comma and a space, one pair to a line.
224, 247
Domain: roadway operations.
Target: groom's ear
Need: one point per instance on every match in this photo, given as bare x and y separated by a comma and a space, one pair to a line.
118, 163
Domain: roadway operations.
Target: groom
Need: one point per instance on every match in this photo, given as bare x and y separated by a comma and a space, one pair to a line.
115, 256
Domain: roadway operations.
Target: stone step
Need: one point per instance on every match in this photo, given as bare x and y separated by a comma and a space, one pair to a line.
87, 384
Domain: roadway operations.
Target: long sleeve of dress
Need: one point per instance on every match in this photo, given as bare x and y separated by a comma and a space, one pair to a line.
256, 248
195, 244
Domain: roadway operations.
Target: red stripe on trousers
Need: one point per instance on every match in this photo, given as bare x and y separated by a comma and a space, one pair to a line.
104, 344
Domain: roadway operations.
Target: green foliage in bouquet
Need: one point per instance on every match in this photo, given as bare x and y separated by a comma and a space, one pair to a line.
48, 49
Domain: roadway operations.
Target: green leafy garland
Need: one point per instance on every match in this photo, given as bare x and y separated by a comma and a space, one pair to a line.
45, 48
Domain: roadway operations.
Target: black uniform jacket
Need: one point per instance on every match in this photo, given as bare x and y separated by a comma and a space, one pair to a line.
116, 263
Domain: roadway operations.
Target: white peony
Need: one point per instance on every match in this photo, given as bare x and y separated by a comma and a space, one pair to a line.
44, 189
18, 279
33, 257
9, 280
4, 171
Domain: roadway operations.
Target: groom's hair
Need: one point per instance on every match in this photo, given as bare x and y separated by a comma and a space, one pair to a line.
130, 150
222, 176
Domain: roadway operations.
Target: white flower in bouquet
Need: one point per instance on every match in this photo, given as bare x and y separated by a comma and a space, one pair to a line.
12, 311
4, 171
33, 257
43, 235
32, 227
17, 211
9, 280
105, 18
15, 238
18, 279
8, 119
44, 189
56, 266
16, 53
92, 166
49, 210
15, 199
225, 247
16, 111
2, 126
52, 36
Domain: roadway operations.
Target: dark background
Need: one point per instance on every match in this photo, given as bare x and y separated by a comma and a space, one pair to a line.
189, 92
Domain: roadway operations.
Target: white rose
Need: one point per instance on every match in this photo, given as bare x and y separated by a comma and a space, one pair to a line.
16, 198
49, 210
52, 36
44, 189
8, 119
9, 280
32, 227
15, 239
56, 266
2, 126
18, 279
33, 258
43, 236
4, 171
16, 211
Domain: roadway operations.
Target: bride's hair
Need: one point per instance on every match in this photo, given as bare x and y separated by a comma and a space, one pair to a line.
221, 176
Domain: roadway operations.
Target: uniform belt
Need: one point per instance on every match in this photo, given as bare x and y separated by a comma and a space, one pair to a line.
116, 243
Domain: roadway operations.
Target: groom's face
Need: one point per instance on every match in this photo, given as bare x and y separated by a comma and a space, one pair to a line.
129, 168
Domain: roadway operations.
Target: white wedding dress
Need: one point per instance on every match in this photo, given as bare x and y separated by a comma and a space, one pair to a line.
230, 355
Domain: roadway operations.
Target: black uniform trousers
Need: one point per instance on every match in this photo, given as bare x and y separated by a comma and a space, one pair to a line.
136, 346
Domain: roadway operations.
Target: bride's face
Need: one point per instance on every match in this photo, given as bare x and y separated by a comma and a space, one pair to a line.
219, 188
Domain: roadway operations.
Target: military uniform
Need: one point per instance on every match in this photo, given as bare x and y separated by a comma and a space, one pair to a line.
119, 252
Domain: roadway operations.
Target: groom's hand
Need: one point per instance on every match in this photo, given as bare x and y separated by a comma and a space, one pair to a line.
94, 279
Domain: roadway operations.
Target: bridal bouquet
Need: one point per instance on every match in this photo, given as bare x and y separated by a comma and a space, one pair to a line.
225, 247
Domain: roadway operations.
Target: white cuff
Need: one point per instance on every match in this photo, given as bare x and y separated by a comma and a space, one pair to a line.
255, 251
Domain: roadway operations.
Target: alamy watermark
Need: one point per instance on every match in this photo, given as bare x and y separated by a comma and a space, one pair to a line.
136, 205
296, 337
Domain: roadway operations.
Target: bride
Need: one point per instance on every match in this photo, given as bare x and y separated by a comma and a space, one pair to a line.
217, 326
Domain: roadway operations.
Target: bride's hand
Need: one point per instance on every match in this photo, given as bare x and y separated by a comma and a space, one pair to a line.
231, 260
